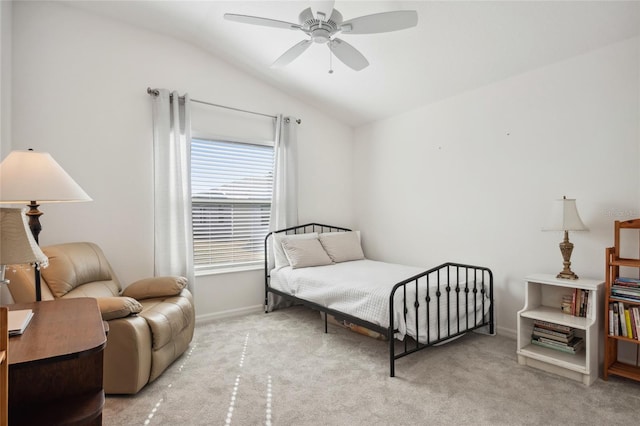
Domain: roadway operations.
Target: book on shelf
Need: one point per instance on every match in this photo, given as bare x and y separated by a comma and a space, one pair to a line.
627, 319
624, 320
623, 282
625, 292
625, 298
550, 334
576, 303
552, 326
573, 346
628, 280
626, 288
567, 304
631, 323
556, 336
613, 319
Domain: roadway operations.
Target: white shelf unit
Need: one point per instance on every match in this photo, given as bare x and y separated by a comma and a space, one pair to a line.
543, 299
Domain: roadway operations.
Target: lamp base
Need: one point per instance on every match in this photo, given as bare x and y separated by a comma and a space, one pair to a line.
567, 275
34, 219
566, 248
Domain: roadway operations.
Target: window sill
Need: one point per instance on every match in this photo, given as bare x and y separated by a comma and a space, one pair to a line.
231, 270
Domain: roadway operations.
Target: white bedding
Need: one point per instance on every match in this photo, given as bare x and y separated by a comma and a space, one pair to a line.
361, 288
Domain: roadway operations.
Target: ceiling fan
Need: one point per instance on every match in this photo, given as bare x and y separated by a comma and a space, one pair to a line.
321, 22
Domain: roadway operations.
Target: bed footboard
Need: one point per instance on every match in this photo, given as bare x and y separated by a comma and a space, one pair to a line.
459, 299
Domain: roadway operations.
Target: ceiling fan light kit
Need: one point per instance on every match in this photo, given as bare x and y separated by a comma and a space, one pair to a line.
314, 23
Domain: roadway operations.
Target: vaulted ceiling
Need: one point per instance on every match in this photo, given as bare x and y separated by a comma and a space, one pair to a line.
457, 46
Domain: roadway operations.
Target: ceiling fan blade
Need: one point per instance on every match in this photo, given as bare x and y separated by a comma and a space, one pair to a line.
381, 22
348, 54
322, 9
291, 54
265, 22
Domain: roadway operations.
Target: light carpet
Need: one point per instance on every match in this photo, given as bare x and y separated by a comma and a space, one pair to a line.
282, 369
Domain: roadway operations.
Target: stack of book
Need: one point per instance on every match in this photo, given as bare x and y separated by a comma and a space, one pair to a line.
555, 336
576, 303
626, 289
624, 319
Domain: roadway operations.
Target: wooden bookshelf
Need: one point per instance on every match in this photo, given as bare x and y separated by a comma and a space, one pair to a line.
613, 263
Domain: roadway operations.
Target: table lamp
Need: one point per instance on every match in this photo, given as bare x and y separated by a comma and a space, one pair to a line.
35, 177
17, 245
566, 218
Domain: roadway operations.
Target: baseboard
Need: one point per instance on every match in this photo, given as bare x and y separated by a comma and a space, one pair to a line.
507, 332
228, 314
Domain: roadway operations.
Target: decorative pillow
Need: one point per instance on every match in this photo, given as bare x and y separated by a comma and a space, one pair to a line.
118, 307
342, 246
278, 252
305, 252
149, 288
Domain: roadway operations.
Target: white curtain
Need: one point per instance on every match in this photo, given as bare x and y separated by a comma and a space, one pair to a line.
173, 240
284, 202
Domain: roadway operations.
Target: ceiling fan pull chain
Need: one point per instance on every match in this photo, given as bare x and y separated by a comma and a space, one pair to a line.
330, 62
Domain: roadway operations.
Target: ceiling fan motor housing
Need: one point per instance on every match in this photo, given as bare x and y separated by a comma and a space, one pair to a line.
320, 31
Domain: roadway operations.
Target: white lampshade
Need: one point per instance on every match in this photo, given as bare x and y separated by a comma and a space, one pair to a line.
565, 217
17, 245
35, 176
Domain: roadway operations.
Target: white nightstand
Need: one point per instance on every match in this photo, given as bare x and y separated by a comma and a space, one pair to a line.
543, 300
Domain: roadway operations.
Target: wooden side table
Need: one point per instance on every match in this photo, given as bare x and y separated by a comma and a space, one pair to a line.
55, 366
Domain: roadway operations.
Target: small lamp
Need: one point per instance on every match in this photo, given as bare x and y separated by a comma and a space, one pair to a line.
17, 245
566, 218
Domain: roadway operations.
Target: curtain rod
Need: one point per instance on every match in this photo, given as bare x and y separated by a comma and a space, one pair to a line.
156, 92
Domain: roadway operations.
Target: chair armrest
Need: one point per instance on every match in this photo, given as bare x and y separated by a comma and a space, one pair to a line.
149, 288
118, 307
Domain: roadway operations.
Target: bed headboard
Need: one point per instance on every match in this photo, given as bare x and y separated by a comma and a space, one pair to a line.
299, 229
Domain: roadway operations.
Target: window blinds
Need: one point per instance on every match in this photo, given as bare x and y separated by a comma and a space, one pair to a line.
231, 186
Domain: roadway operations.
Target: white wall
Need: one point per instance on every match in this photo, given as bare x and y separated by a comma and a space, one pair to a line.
5, 77
472, 178
79, 84
5, 97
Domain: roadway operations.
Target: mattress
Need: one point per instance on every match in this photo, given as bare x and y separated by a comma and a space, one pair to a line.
362, 288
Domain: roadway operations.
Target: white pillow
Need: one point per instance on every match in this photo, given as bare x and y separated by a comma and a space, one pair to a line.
280, 257
342, 246
305, 252
341, 232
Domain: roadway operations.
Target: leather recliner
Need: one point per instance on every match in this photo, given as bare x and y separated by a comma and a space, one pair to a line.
151, 322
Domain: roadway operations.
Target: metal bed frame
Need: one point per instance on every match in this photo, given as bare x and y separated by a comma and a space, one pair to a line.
453, 281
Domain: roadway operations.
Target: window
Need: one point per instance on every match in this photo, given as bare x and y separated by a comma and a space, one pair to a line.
231, 185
